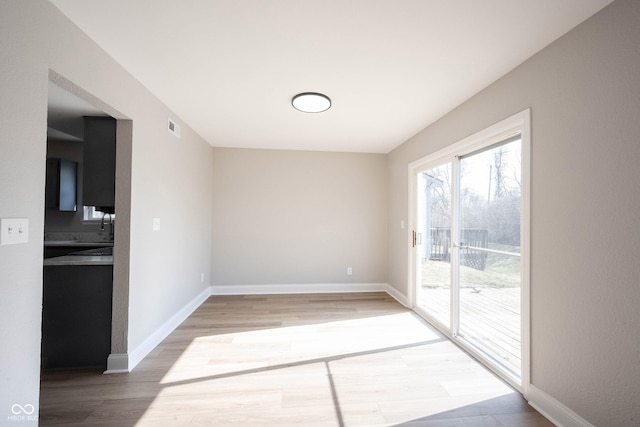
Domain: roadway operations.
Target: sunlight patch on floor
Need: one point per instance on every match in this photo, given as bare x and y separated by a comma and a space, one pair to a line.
242, 352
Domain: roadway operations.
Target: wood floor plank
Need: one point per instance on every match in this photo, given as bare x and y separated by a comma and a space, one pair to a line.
293, 360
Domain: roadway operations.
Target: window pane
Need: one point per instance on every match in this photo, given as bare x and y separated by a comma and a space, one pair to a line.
90, 213
490, 198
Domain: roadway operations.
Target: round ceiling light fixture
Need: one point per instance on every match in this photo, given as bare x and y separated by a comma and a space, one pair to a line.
311, 102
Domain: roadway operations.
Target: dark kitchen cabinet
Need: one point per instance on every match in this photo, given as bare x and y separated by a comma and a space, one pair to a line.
76, 316
99, 163
61, 185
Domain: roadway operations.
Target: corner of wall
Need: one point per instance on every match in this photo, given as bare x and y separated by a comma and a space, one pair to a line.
122, 363
397, 295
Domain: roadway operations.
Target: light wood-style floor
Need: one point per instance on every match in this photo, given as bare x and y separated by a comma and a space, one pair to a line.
293, 360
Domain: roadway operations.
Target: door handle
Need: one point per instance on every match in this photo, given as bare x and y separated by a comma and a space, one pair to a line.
416, 239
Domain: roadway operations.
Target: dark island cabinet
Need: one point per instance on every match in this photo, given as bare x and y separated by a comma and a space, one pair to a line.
76, 317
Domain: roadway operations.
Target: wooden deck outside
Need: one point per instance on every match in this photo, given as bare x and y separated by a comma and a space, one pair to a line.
490, 319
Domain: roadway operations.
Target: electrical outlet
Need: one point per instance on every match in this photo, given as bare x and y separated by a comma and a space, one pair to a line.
349, 271
155, 224
173, 128
14, 230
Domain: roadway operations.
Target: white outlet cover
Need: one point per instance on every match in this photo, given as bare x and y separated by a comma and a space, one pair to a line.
14, 231
155, 224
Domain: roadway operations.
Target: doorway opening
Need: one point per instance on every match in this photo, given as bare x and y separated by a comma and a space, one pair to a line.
68, 108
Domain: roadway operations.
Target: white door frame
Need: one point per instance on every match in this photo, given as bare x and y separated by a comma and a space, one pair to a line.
520, 122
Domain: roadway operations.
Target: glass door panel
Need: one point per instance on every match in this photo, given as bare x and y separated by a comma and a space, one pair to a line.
489, 286
433, 243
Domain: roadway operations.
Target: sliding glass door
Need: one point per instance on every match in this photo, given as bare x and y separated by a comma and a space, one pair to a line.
467, 242
489, 285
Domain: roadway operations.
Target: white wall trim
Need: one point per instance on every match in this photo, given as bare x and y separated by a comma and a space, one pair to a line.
140, 352
397, 295
313, 288
555, 411
117, 363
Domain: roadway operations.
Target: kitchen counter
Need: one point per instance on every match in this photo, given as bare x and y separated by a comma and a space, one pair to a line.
74, 243
98, 256
80, 260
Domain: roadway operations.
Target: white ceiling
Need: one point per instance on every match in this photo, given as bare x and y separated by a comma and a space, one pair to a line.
229, 68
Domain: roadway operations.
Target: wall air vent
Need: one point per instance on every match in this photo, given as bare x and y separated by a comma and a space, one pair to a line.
174, 128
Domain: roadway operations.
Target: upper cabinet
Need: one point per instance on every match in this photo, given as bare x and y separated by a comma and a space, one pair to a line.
99, 163
61, 185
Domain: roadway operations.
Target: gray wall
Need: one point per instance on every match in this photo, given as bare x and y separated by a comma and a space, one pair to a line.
171, 179
584, 94
296, 217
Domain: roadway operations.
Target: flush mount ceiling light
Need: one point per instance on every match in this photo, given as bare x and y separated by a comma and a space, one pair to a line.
311, 102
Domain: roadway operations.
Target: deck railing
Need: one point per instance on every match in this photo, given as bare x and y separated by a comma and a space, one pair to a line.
440, 242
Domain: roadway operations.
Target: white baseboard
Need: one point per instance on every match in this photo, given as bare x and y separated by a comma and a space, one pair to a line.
553, 410
117, 363
401, 298
314, 288
122, 363
130, 360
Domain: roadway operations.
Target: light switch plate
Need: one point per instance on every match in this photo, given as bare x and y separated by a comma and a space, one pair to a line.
155, 224
14, 231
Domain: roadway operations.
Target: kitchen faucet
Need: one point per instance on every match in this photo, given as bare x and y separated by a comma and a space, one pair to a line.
111, 231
